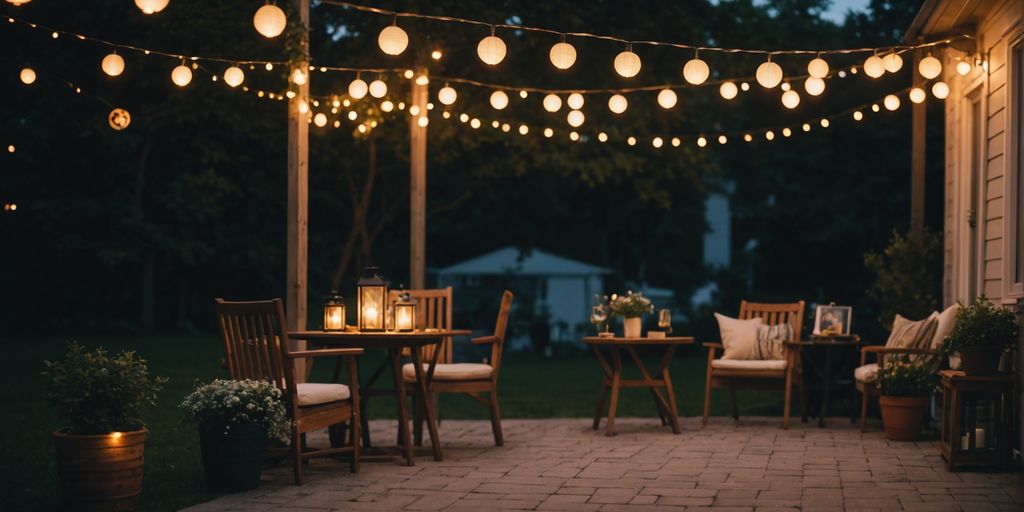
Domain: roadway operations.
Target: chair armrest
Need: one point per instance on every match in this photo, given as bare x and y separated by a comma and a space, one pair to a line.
484, 340
717, 346
327, 352
885, 350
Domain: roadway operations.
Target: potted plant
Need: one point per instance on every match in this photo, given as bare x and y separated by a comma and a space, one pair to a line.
235, 418
981, 334
904, 389
631, 307
97, 398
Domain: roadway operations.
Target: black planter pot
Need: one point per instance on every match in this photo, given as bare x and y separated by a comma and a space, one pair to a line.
232, 461
980, 360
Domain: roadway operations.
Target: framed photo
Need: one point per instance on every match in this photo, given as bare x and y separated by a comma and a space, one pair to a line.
832, 319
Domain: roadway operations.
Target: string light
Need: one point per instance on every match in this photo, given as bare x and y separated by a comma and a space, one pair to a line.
874, 67
744, 87
785, 86
891, 102
696, 71
893, 62
790, 99
562, 54
875, 107
234, 76
387, 106
475, 123
181, 75
552, 103
353, 115
722, 139
676, 142
505, 127
146, 6
940, 90
112, 64
269, 20
119, 119
523, 129
701, 141
770, 135
392, 40
858, 115
575, 101
575, 118
728, 90
423, 121
548, 132
929, 67
657, 142
499, 100
825, 123
631, 141
436, 55
963, 67
447, 95
27, 76
627, 64
574, 136
817, 68
320, 120
917, 95
602, 137
786, 132
814, 86
299, 76
748, 137
806, 127
769, 74
667, 98
357, 89
378, 89
491, 49
464, 117
617, 103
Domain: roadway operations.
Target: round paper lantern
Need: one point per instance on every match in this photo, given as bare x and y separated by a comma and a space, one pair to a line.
825, 123
499, 100
785, 86
181, 75
940, 90
627, 64
817, 68
603, 137
770, 135
523, 129
562, 55
657, 142
28, 76
891, 102
320, 119
701, 141
858, 115
917, 95
575, 118
552, 103
631, 140
269, 20
233, 76
929, 67
963, 67
299, 77
146, 6
491, 50
548, 132
728, 90
769, 74
447, 95
874, 67
575, 101
393, 40
722, 139
790, 99
387, 106
617, 103
378, 88
112, 64
357, 89
18, 3
696, 71
893, 62
814, 86
119, 119
667, 98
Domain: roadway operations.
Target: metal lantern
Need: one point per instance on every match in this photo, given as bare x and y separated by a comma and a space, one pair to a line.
405, 313
371, 296
334, 312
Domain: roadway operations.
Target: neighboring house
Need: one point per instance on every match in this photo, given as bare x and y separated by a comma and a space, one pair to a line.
984, 167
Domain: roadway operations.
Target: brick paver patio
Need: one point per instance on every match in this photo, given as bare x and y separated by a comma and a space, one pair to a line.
561, 464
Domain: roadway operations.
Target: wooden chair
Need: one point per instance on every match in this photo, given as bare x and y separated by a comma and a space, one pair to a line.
256, 347
864, 378
470, 379
758, 374
433, 311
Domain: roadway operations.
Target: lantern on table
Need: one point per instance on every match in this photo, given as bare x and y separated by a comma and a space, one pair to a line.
371, 294
405, 313
334, 312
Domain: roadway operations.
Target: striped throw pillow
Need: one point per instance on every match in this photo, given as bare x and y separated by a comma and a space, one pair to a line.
771, 341
910, 334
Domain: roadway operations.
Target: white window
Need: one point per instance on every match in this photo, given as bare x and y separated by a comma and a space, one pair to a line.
1014, 214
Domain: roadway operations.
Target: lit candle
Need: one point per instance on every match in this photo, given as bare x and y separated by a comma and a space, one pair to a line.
404, 319
371, 314
979, 437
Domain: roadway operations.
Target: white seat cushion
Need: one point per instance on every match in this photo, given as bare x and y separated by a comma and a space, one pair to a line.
456, 371
314, 393
749, 364
866, 373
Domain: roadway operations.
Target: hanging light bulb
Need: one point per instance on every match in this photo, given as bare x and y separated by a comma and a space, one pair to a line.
858, 115
917, 95
112, 64
392, 39
891, 102
786, 132
790, 99
575, 118
696, 71
631, 141
722, 139
447, 95
562, 54
893, 62
146, 6
701, 141
785, 86
436, 55
234, 76
548, 132
617, 103
770, 135
269, 20
676, 142
602, 137
940, 90
463, 117
748, 137
552, 103
423, 121
181, 75
875, 107
657, 142
806, 127
769, 74
817, 67
825, 123
963, 67
627, 63
814, 86
499, 100
378, 89
320, 119
387, 106
728, 90
874, 67
667, 98
357, 89
744, 86
491, 49
575, 101
929, 67
27, 76
298, 77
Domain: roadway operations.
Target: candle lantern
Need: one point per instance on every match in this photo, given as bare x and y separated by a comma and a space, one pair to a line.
334, 312
371, 294
405, 313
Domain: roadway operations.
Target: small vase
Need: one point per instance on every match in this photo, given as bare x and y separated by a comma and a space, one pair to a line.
631, 327
232, 461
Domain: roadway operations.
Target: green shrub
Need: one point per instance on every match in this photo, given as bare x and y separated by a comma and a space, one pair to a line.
982, 324
223, 403
94, 393
903, 378
907, 276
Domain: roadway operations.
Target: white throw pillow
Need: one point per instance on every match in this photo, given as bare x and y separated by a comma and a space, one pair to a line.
738, 336
947, 319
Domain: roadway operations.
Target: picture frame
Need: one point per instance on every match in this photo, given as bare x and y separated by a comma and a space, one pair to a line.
832, 319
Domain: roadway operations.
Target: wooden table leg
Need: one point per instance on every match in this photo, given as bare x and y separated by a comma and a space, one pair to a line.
605, 384
659, 401
426, 403
616, 381
826, 382
664, 373
403, 414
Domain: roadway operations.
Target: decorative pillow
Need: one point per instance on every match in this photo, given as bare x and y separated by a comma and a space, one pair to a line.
771, 341
738, 336
947, 319
911, 334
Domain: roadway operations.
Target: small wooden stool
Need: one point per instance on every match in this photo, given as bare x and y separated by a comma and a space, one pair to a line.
977, 419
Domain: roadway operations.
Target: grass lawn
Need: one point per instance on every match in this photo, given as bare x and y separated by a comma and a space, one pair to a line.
530, 387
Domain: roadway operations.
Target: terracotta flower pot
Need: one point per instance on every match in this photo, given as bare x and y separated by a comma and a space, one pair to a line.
980, 360
902, 415
101, 472
631, 327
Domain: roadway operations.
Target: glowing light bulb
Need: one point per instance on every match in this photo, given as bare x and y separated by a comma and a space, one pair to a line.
602, 137
436, 55
422, 122
181, 75
627, 64
825, 123
378, 89
817, 68
234, 76
523, 129
748, 137
696, 71
617, 103
814, 86
299, 77
475, 123
320, 119
269, 20
27, 76
728, 90
548, 132
858, 115
786, 132
770, 135
722, 139
491, 50
790, 99
447, 95
575, 101
631, 141
891, 102
929, 67
963, 67
573, 136
917, 95
357, 89
940, 90
146, 6
657, 142
562, 55
393, 40
552, 103
112, 64
499, 100
387, 106
893, 62
575, 118
667, 98
874, 67
769, 74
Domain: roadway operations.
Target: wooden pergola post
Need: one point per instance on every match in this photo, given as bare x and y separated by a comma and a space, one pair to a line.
298, 194
917, 145
418, 185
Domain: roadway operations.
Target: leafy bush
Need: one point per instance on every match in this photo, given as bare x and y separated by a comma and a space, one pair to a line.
907, 276
94, 393
631, 305
223, 403
982, 324
903, 378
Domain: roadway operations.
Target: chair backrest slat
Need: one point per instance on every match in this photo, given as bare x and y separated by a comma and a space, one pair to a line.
776, 314
433, 311
500, 327
255, 342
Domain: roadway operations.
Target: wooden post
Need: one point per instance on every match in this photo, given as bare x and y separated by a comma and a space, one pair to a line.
917, 152
298, 194
417, 186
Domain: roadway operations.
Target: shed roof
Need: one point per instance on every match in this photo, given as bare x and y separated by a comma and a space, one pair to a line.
510, 260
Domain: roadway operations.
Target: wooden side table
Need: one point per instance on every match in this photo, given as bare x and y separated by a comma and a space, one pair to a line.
827, 344
977, 419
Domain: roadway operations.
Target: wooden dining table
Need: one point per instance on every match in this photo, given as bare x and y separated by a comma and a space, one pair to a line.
394, 343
